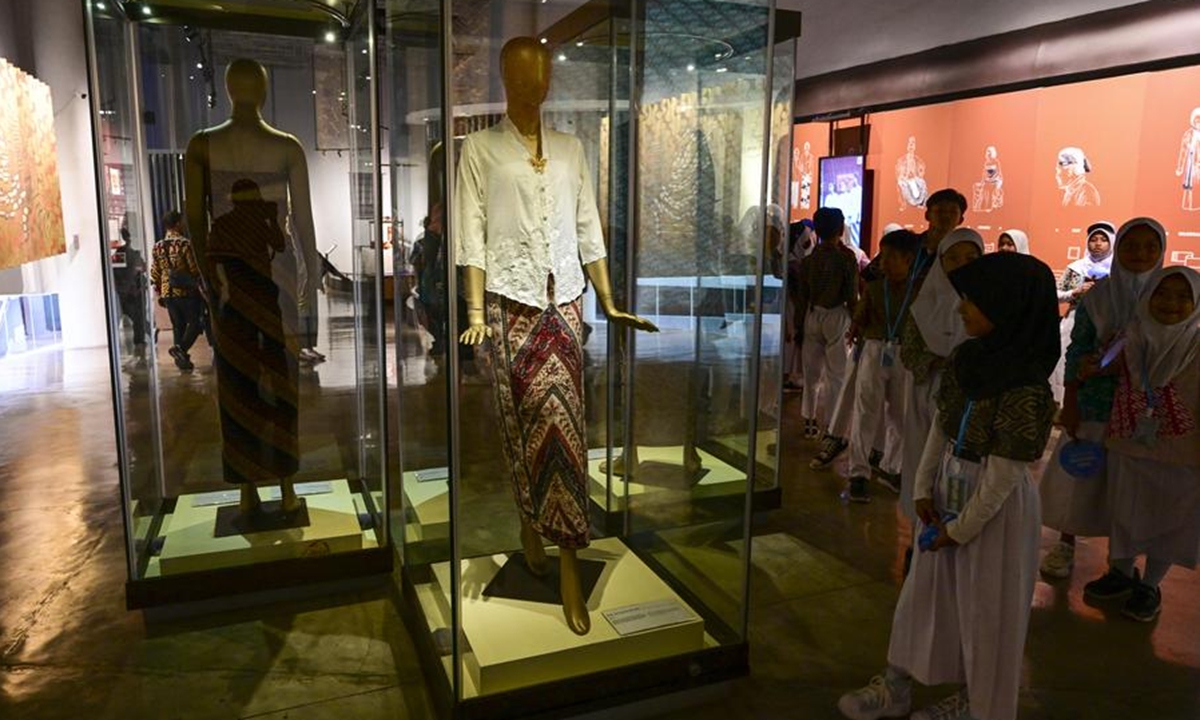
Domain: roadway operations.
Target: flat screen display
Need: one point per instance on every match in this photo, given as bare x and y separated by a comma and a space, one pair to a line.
842, 182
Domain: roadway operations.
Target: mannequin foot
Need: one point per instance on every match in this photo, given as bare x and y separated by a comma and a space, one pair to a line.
535, 553
691, 461
248, 503
288, 501
574, 607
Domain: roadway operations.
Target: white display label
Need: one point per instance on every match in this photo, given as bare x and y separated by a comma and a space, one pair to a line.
633, 619
431, 474
229, 497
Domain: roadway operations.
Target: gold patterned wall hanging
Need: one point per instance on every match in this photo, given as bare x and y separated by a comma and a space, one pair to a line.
31, 221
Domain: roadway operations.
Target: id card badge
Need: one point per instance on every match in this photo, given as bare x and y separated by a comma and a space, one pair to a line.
888, 358
958, 479
1146, 430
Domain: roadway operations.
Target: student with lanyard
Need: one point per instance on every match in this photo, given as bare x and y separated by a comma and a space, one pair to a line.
1070, 505
964, 609
880, 379
1154, 444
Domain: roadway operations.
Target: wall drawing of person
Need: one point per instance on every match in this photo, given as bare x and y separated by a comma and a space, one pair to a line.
1188, 166
803, 166
1071, 175
989, 191
910, 177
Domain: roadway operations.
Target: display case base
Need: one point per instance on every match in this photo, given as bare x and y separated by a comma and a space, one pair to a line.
514, 643
193, 540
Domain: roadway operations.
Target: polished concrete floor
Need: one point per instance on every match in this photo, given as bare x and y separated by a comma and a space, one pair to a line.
825, 579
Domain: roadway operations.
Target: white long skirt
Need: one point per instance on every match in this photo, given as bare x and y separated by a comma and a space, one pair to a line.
1058, 377
964, 612
1155, 510
1072, 505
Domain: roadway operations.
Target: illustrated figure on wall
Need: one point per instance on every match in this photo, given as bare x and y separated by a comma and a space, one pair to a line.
910, 177
527, 229
989, 191
1188, 166
246, 183
803, 170
1071, 175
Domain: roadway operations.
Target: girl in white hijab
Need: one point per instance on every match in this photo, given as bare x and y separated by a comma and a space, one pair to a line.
1013, 240
1154, 445
933, 332
1068, 505
1078, 279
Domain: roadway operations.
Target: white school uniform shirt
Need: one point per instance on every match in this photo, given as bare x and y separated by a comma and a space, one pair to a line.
521, 226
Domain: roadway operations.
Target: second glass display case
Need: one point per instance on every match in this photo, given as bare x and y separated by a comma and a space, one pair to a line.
586, 335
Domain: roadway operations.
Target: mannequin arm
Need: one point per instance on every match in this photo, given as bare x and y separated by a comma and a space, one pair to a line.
195, 171
598, 273
474, 281
306, 233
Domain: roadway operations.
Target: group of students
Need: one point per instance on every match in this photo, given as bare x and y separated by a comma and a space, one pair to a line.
948, 372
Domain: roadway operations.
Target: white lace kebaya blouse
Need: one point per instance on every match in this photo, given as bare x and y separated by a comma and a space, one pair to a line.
521, 226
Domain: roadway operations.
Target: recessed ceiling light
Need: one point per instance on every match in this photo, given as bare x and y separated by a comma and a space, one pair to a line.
146, 10
544, 41
691, 67
330, 36
722, 69
562, 57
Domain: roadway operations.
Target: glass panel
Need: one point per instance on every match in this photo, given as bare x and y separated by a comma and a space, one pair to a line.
259, 386
411, 102
125, 229
700, 156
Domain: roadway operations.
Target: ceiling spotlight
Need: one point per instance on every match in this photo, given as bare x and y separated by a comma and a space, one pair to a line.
722, 69
544, 41
562, 57
330, 36
146, 10
199, 66
101, 6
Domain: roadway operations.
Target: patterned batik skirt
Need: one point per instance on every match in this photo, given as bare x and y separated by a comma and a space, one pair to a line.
537, 356
257, 377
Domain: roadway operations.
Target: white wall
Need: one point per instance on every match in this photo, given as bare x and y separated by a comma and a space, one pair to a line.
49, 36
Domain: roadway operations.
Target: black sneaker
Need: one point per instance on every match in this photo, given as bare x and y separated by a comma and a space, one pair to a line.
874, 459
858, 490
1113, 584
1144, 604
179, 357
831, 448
891, 481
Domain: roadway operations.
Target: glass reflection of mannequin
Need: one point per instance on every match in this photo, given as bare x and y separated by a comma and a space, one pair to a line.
243, 178
525, 68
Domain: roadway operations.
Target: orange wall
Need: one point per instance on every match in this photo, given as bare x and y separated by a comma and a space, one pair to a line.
1130, 128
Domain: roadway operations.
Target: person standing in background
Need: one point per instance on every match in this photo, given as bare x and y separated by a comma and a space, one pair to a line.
129, 281
175, 276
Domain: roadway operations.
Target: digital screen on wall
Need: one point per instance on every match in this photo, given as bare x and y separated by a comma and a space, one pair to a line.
842, 184
1049, 161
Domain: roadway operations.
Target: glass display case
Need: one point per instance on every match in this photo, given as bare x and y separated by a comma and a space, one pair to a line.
588, 288
236, 150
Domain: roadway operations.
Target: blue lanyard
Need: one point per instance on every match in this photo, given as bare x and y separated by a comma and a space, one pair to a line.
893, 328
962, 428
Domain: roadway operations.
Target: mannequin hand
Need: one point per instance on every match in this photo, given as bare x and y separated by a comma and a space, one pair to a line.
624, 319
927, 513
476, 334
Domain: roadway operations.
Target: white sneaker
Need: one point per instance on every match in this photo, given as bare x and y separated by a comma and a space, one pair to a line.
883, 698
955, 707
1059, 560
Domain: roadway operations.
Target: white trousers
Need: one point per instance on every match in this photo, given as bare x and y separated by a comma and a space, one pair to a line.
824, 355
919, 406
879, 397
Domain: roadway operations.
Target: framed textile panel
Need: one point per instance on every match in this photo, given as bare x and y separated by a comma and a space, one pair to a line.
31, 219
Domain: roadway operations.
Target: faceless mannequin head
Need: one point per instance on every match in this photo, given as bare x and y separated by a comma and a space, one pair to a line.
246, 83
525, 67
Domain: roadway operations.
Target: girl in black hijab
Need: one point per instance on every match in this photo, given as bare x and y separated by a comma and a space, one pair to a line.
964, 608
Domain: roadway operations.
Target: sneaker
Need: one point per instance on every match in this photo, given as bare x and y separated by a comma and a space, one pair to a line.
883, 698
891, 481
874, 459
1113, 584
955, 707
1059, 560
857, 490
180, 357
1144, 604
831, 448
